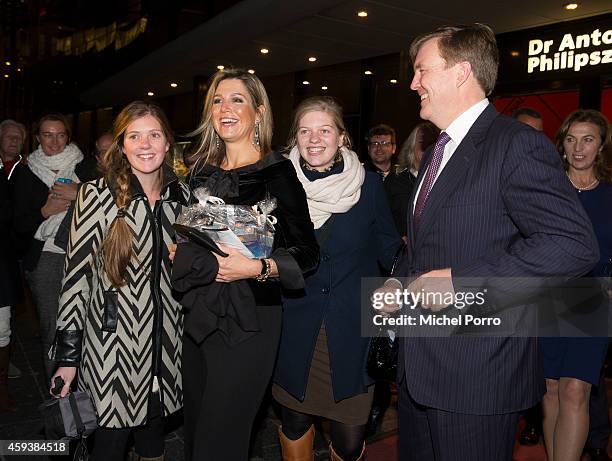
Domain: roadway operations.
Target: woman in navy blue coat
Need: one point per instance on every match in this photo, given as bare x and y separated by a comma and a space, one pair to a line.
321, 364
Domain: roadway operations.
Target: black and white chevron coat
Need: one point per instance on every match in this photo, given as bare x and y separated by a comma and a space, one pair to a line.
114, 335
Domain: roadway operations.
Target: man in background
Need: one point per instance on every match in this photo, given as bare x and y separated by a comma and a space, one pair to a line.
381, 147
532, 432
103, 143
530, 117
12, 137
89, 168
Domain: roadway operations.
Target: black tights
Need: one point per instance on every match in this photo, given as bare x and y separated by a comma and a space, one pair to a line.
346, 439
111, 444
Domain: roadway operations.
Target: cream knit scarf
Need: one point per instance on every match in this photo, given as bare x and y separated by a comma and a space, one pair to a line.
48, 168
336, 193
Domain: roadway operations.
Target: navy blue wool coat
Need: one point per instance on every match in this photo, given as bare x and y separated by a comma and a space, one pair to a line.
360, 240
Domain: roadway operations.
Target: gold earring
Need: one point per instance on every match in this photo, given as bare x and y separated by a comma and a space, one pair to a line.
256, 140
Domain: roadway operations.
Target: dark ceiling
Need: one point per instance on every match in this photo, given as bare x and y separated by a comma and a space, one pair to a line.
187, 39
327, 29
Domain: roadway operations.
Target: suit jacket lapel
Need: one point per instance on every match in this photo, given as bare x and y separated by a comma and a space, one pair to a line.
454, 171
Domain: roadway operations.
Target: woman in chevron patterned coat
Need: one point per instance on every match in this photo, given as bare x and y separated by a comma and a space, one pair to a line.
118, 324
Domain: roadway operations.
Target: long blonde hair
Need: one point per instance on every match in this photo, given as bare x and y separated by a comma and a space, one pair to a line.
211, 148
117, 244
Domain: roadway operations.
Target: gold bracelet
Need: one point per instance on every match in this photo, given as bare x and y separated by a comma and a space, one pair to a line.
266, 269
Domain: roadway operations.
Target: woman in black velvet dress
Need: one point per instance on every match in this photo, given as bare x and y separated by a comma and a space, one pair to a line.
233, 319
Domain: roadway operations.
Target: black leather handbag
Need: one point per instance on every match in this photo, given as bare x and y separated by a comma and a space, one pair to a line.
382, 355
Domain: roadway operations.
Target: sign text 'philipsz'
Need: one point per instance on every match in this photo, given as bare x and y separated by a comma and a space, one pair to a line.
573, 51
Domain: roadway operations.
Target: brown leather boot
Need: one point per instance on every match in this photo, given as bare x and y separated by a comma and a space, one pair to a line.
334, 456
6, 401
301, 449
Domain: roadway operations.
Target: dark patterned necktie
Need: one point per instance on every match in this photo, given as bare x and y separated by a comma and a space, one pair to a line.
432, 171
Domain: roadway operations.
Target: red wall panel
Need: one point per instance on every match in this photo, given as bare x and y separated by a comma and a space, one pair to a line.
606, 103
553, 107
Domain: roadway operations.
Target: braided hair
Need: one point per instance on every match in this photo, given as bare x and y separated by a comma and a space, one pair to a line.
116, 247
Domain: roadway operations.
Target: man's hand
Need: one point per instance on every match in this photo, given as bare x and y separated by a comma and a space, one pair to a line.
437, 289
385, 299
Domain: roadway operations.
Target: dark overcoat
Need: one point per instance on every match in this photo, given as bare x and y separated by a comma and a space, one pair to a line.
359, 240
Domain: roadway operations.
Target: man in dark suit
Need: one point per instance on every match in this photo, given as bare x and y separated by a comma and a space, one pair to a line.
491, 202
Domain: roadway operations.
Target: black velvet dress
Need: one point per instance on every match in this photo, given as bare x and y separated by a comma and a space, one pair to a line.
232, 329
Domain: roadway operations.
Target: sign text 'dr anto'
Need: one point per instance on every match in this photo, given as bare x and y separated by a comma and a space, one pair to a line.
573, 51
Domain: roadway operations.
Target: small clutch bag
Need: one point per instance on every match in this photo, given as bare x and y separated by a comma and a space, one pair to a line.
199, 237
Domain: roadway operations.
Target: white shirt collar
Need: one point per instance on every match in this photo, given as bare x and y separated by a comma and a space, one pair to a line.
462, 124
